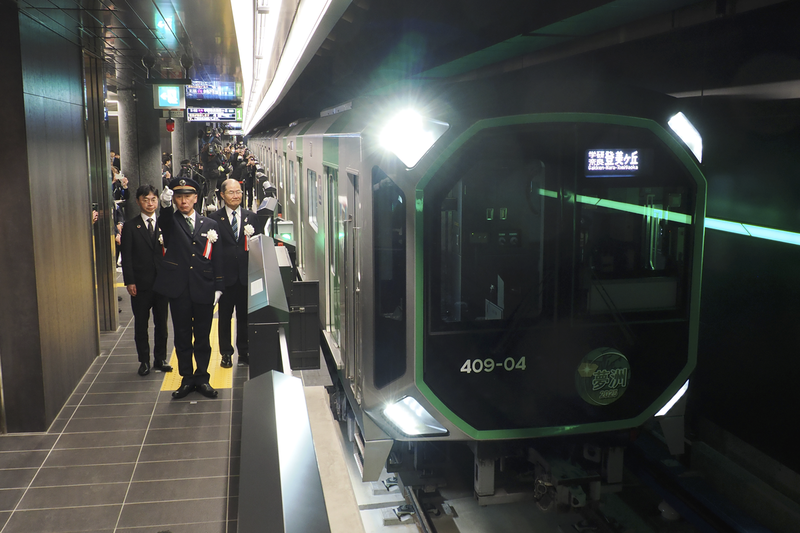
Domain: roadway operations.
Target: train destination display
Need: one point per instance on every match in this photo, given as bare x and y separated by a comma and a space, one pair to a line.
616, 163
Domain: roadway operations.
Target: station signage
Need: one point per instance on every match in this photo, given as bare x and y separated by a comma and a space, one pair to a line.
212, 90
168, 97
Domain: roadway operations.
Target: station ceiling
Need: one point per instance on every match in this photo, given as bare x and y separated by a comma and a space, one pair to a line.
375, 42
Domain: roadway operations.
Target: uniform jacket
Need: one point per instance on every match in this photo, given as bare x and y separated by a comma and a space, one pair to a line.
233, 251
184, 263
141, 253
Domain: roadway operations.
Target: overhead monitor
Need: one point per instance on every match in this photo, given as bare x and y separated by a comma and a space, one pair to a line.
169, 97
233, 128
213, 114
211, 90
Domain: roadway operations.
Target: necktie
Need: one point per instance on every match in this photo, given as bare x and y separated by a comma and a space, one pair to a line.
191, 224
234, 224
150, 227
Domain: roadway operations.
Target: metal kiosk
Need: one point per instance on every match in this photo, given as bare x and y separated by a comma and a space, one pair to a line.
268, 310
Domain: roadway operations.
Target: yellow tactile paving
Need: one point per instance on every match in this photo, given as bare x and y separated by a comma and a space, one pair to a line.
121, 285
221, 378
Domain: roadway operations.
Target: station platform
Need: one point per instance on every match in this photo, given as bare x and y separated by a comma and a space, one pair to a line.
123, 456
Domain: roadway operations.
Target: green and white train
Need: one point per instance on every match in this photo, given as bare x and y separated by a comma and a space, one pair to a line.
500, 262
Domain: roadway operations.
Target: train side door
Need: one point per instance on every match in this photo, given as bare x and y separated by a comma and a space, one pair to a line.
333, 243
352, 286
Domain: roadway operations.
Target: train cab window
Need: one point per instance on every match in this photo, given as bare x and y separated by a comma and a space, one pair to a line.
488, 266
389, 243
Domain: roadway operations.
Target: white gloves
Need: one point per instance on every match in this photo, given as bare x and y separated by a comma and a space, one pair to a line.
217, 294
166, 197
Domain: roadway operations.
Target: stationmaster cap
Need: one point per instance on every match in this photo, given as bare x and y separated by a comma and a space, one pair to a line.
183, 185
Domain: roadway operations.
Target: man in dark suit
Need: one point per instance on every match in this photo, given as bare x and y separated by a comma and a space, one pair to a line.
236, 226
141, 258
191, 276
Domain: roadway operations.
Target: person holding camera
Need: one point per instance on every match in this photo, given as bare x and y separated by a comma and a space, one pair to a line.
215, 172
166, 169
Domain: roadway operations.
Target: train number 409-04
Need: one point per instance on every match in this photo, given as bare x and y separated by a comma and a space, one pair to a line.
489, 365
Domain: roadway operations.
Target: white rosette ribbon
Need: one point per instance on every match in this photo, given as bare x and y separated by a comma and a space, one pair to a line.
211, 238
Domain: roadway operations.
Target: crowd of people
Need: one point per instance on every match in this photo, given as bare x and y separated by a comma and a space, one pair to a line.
217, 162
177, 261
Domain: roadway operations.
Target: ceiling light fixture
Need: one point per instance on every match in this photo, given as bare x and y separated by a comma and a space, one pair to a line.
306, 22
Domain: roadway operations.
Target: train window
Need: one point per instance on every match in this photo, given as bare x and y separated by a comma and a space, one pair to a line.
313, 198
292, 180
281, 172
632, 247
489, 258
389, 228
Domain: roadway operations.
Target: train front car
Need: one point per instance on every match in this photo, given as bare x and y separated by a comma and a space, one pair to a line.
557, 260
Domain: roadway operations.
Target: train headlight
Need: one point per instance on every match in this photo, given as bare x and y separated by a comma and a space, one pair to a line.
409, 136
678, 395
688, 134
412, 419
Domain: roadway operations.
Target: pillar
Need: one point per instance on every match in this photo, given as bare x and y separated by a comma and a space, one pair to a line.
178, 144
139, 141
48, 314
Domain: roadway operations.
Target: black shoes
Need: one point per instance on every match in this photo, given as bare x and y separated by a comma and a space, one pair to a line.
226, 361
162, 366
144, 368
206, 390
183, 391
244, 360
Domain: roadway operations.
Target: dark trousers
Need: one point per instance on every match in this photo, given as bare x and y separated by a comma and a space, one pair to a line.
233, 296
190, 318
141, 304
248, 191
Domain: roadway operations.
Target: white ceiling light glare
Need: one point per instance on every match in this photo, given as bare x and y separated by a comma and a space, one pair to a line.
312, 23
678, 395
688, 134
412, 419
243, 22
409, 136
256, 26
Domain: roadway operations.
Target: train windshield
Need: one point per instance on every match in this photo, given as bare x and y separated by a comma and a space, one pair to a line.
544, 242
492, 234
532, 223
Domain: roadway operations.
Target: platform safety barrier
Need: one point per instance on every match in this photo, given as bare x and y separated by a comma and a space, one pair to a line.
280, 489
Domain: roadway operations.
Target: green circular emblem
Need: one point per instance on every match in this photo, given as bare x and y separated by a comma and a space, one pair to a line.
603, 376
